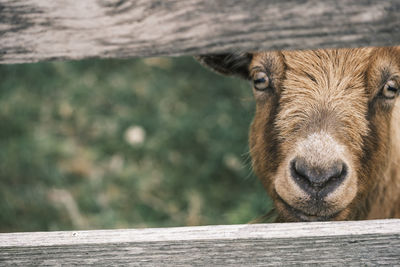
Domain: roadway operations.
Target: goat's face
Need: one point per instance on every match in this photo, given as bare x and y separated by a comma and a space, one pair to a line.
320, 138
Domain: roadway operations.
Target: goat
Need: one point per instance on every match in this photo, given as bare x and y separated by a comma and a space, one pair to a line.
325, 139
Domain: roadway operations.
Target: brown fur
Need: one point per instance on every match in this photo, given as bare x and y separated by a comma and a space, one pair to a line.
334, 97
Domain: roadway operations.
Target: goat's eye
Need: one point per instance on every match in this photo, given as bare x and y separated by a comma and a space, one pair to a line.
261, 81
390, 89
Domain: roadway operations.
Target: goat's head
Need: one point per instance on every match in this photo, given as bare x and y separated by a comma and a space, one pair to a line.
320, 138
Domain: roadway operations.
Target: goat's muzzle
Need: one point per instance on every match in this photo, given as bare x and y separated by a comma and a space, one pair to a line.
317, 180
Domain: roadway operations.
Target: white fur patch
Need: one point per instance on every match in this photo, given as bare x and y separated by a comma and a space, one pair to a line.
320, 149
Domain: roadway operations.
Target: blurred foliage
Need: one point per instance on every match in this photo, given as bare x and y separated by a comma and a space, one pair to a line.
124, 143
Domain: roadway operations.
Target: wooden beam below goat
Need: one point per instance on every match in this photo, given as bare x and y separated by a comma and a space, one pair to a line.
334, 243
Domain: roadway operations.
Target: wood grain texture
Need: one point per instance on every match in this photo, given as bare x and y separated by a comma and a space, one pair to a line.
36, 30
334, 243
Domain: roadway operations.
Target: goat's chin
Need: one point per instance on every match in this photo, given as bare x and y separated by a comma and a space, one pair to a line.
308, 213
308, 210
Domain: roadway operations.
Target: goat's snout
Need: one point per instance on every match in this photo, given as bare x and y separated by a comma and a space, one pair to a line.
317, 180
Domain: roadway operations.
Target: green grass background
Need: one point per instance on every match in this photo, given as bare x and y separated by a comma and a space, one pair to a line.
66, 161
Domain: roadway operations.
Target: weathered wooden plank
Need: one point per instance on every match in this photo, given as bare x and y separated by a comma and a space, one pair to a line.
34, 30
335, 243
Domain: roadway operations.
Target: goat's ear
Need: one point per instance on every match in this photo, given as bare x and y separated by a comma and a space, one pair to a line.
236, 64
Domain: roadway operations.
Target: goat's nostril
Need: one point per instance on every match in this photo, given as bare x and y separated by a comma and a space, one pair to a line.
317, 180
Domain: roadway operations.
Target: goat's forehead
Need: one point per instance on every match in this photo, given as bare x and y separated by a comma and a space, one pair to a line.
328, 60
319, 63
330, 69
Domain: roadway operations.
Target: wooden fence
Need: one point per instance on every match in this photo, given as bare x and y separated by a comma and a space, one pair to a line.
35, 30
332, 243
39, 30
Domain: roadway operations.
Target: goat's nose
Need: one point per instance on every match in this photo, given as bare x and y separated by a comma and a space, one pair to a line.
318, 181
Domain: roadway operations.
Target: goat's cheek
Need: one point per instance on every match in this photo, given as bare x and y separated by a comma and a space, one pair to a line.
262, 145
